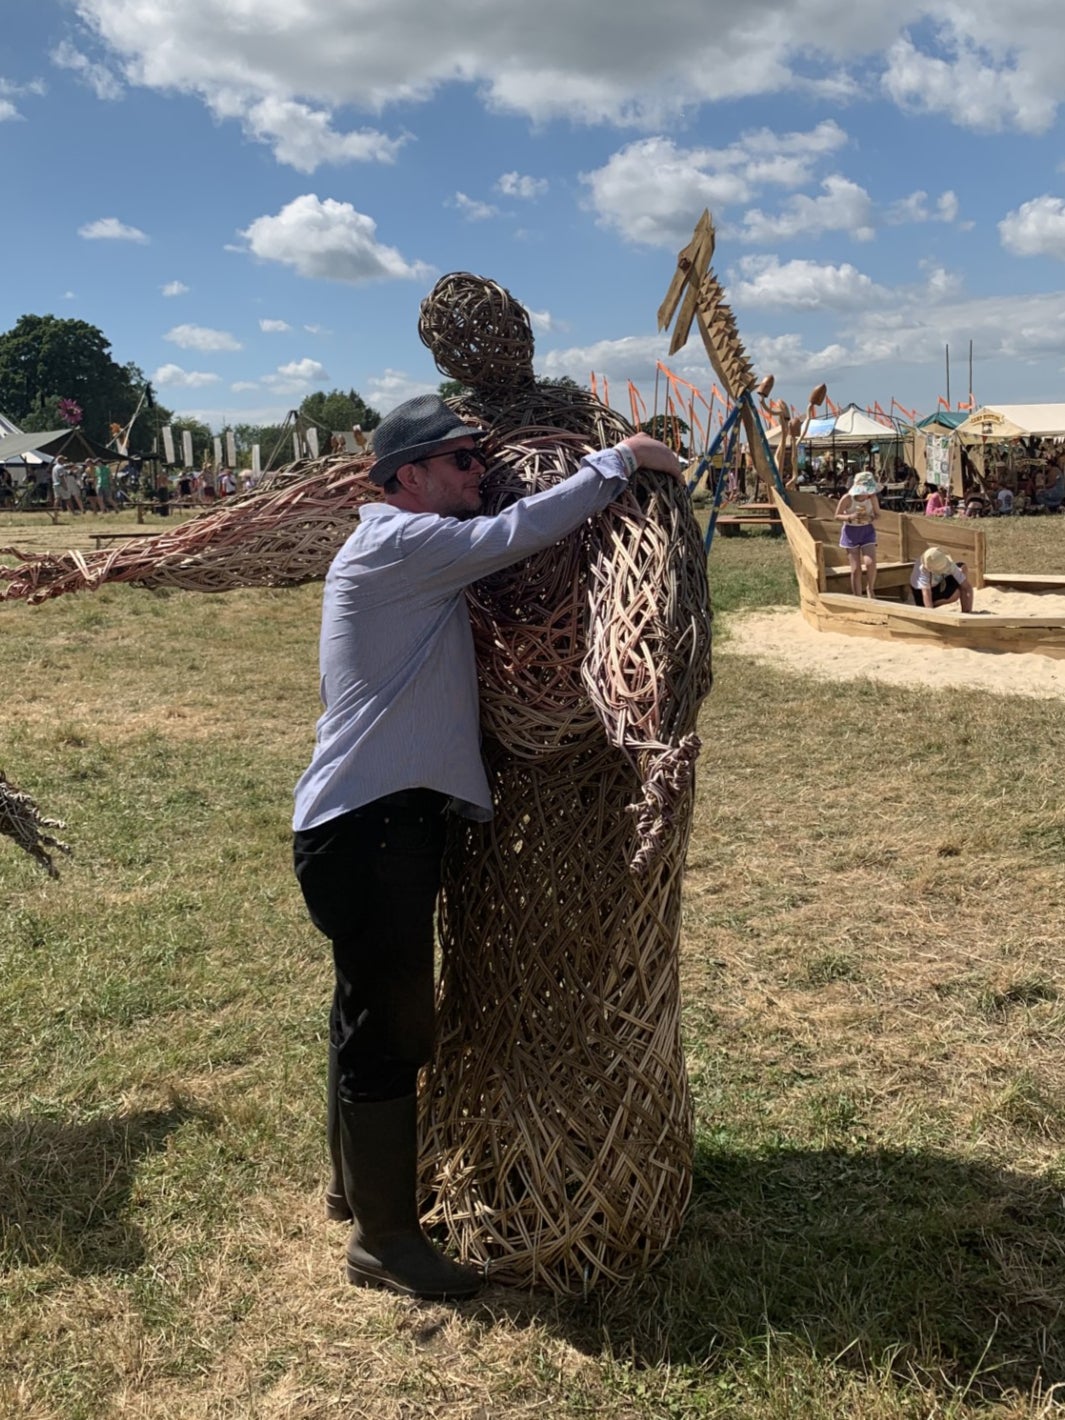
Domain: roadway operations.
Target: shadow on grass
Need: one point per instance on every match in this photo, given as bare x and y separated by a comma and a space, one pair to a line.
65, 1189
944, 1272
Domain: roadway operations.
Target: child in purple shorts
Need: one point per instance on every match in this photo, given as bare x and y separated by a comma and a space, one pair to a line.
857, 510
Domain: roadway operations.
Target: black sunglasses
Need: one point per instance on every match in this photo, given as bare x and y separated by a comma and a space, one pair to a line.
464, 459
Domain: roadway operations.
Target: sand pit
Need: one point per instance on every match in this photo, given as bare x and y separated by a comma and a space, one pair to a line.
780, 637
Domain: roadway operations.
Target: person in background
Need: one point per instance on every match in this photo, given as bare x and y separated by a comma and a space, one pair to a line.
1004, 500
858, 511
937, 580
934, 503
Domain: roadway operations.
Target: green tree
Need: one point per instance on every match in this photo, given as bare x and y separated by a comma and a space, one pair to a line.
671, 430
451, 389
202, 439
338, 411
43, 358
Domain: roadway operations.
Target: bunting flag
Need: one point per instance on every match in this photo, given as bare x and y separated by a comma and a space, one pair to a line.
911, 414
637, 405
594, 386
833, 409
168, 444
943, 404
186, 447
606, 392
969, 404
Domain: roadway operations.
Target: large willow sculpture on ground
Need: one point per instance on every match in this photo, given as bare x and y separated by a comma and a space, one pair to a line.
556, 1118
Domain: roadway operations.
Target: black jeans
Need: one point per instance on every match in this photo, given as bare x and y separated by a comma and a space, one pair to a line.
370, 879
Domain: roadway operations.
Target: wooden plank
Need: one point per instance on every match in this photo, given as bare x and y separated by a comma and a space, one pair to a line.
1026, 581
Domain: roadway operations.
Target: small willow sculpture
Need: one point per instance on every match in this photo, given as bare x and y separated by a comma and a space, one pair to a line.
556, 1118
22, 820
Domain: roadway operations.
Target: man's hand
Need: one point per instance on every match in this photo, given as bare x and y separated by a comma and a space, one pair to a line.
652, 454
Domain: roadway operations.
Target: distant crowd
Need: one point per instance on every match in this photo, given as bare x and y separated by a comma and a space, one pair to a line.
102, 486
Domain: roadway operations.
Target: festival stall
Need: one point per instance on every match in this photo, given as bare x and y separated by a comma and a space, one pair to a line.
1002, 440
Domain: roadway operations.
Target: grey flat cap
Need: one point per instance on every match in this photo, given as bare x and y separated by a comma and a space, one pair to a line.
412, 430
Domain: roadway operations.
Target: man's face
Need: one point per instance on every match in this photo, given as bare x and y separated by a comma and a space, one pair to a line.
445, 488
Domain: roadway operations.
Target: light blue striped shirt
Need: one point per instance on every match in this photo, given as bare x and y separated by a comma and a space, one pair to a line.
398, 674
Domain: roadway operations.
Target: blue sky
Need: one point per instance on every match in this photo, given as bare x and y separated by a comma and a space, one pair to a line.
251, 197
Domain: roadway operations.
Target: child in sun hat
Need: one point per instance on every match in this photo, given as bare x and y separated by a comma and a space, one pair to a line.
937, 580
858, 510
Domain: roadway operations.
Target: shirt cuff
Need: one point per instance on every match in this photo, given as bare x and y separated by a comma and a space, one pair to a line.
609, 463
627, 457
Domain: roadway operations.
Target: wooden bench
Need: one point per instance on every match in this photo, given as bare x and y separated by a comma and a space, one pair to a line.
890, 576
731, 524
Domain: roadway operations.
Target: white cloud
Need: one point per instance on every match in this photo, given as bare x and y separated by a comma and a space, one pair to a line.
767, 284
914, 208
174, 288
471, 209
304, 138
316, 330
296, 377
98, 77
70, 295
629, 357
385, 391
271, 326
947, 207
845, 207
519, 185
177, 378
1036, 228
9, 91
328, 241
543, 321
110, 229
239, 386
972, 88
978, 62
652, 192
201, 337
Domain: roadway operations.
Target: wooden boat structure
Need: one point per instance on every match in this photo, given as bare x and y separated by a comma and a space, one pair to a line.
825, 599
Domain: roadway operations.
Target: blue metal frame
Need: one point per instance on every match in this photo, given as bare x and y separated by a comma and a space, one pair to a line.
730, 431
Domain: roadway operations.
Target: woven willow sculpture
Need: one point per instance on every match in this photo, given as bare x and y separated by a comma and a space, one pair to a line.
556, 1118
21, 819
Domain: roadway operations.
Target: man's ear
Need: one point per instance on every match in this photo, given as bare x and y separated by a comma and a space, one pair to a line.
408, 476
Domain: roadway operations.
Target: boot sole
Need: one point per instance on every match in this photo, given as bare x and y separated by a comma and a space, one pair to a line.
360, 1278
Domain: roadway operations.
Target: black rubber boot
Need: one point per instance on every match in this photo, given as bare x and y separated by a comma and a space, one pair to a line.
387, 1247
337, 1207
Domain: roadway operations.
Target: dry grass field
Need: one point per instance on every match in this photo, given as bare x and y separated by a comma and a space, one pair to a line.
875, 1028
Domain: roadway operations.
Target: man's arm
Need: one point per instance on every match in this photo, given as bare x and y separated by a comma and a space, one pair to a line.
454, 553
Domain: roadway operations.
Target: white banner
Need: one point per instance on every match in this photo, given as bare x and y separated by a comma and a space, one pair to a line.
186, 446
231, 449
256, 466
168, 444
937, 459
312, 441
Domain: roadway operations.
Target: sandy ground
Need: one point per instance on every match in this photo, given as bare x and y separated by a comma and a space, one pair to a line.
782, 638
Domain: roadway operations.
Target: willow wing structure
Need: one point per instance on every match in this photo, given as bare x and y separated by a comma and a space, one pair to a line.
821, 571
22, 820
